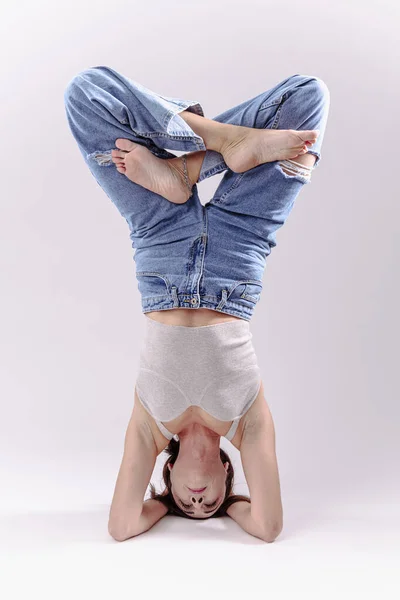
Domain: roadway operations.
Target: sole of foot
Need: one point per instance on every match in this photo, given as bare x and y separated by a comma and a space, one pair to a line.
161, 176
252, 147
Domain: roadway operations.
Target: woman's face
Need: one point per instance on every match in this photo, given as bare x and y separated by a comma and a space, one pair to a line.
188, 478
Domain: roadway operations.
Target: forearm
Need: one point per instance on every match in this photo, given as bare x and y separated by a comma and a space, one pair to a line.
153, 511
127, 500
241, 513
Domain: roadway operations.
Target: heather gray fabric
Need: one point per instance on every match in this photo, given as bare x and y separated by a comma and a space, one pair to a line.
212, 366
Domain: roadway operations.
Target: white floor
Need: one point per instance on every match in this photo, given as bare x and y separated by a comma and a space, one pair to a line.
333, 546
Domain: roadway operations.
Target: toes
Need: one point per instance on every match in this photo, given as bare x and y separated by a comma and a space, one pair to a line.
312, 137
311, 134
308, 136
301, 151
118, 161
118, 154
124, 144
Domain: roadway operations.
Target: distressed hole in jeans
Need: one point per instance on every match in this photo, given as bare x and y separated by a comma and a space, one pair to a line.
102, 158
293, 169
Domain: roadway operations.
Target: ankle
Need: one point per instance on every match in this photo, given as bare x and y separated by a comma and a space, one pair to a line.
216, 135
194, 161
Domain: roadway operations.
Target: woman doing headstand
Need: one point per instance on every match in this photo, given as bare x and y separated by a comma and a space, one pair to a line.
199, 270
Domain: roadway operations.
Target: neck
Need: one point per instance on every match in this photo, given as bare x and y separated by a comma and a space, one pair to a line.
199, 442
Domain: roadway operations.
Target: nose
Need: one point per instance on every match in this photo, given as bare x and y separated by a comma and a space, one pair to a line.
197, 498
197, 495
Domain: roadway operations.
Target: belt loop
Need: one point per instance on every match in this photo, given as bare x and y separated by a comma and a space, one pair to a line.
175, 296
223, 299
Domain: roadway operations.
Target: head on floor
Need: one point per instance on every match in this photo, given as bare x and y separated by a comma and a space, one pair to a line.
198, 476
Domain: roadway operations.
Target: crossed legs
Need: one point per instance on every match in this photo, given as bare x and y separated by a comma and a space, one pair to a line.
242, 148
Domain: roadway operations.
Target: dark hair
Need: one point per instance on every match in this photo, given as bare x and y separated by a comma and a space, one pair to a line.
167, 498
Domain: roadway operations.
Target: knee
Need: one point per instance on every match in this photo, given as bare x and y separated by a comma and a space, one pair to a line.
79, 81
319, 90
72, 88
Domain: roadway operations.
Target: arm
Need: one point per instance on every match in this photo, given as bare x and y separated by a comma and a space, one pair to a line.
263, 516
241, 513
129, 515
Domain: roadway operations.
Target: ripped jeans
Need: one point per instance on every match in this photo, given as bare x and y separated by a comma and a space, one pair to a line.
192, 255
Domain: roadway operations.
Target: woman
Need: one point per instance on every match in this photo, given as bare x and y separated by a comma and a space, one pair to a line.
199, 271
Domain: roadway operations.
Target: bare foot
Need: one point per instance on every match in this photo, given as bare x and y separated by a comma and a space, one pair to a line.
162, 176
250, 147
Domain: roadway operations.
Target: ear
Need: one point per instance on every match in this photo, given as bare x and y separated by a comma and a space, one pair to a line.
170, 465
226, 466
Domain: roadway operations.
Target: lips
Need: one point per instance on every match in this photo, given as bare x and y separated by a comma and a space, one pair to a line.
197, 491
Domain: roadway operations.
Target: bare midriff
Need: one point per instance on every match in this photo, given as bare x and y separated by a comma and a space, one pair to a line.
190, 317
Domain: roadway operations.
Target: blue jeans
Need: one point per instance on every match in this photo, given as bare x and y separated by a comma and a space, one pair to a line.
189, 255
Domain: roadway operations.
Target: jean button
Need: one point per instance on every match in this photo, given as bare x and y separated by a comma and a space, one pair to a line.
194, 301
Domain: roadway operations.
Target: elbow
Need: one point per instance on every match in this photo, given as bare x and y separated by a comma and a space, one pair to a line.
119, 531
117, 534
271, 532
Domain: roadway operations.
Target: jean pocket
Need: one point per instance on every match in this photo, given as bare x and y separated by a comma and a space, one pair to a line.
151, 284
269, 113
271, 102
249, 290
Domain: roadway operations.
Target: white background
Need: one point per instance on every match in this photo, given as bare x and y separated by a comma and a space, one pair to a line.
326, 329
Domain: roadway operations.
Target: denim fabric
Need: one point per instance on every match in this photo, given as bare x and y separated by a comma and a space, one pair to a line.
189, 255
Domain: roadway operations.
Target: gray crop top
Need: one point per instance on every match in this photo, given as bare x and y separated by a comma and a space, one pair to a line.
213, 366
